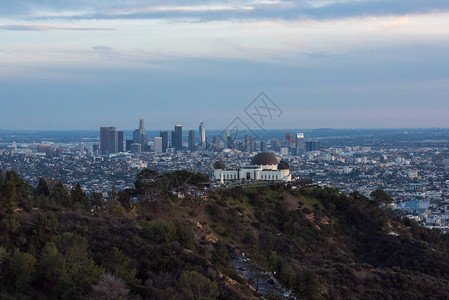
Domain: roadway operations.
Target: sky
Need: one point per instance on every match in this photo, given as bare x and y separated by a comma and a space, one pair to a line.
82, 64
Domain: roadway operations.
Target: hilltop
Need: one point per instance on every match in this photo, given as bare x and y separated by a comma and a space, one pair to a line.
319, 243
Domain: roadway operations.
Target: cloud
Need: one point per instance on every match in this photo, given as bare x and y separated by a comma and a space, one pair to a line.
102, 48
45, 27
397, 22
234, 10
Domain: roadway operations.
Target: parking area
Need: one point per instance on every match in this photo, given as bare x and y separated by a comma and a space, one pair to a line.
264, 286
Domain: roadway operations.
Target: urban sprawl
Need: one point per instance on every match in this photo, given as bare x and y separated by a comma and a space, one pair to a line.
410, 165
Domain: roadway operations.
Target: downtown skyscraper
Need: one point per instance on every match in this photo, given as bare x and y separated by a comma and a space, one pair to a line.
176, 138
164, 137
192, 140
111, 140
140, 135
202, 135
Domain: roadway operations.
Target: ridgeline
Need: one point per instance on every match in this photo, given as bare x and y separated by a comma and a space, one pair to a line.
169, 239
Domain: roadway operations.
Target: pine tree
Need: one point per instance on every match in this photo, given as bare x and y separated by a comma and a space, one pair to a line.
79, 198
42, 188
60, 195
8, 196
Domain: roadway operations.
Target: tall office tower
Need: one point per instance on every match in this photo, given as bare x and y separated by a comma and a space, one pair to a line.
113, 140
300, 147
136, 136
229, 143
141, 126
176, 137
275, 144
104, 139
312, 146
263, 146
128, 144
192, 140
216, 141
248, 143
157, 145
120, 141
143, 135
139, 135
81, 148
289, 139
164, 136
202, 132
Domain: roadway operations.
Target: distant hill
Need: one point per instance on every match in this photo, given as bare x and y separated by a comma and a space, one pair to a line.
320, 244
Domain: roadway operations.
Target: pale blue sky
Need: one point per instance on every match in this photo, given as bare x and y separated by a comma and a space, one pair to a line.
67, 64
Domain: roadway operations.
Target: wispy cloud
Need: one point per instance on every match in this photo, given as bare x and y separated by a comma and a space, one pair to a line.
232, 10
44, 27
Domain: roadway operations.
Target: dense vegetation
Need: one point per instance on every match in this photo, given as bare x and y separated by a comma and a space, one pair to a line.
151, 243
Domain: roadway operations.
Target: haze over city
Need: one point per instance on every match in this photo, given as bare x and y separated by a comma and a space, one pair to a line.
340, 64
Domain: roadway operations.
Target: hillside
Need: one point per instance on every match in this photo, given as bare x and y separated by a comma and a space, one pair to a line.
59, 244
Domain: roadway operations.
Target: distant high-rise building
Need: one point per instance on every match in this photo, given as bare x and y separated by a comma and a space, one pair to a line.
81, 148
157, 145
275, 144
284, 150
176, 138
192, 140
120, 141
300, 147
113, 140
289, 142
164, 136
312, 146
110, 139
216, 141
136, 148
60, 152
263, 146
139, 135
104, 139
95, 148
42, 148
229, 142
49, 152
128, 144
248, 144
202, 133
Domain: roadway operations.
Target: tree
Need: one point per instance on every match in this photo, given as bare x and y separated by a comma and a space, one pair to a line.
381, 196
145, 178
98, 202
60, 195
125, 200
79, 198
8, 197
21, 265
250, 239
42, 188
81, 271
51, 267
113, 194
197, 286
117, 264
160, 232
109, 288
307, 284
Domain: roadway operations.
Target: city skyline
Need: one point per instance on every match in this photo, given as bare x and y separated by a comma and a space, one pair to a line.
337, 64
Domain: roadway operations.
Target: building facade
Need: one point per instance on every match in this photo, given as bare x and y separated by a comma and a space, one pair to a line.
263, 167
